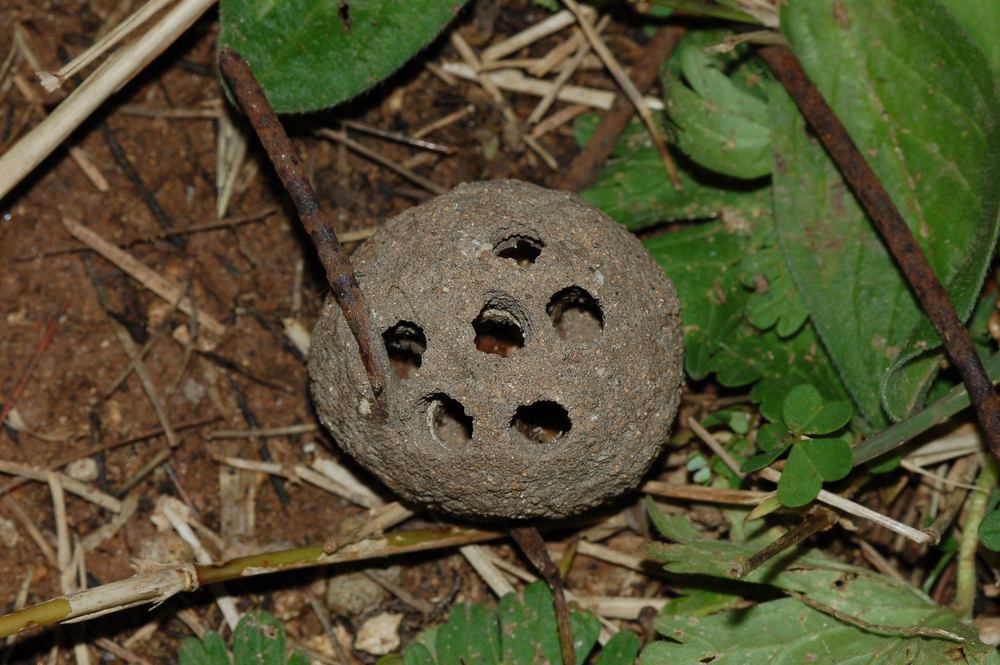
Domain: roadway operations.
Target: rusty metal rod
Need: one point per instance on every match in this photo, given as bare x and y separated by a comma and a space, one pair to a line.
895, 233
339, 271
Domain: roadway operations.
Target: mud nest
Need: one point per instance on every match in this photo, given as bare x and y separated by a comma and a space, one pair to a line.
536, 349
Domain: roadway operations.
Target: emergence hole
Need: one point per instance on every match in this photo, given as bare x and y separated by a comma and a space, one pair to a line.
541, 422
523, 249
405, 344
498, 332
576, 315
448, 421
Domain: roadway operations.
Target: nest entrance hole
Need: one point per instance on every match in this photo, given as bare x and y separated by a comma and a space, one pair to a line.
405, 344
498, 332
542, 422
576, 315
450, 424
520, 248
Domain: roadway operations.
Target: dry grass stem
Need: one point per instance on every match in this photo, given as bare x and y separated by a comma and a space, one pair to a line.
856, 509
52, 81
15, 509
619, 607
910, 466
120, 652
565, 73
713, 442
705, 494
147, 468
399, 138
609, 555
148, 385
266, 432
445, 121
343, 477
380, 159
230, 153
528, 36
494, 579
879, 562
628, 88
107, 530
558, 55
515, 81
557, 120
225, 602
79, 157
146, 276
171, 114
22, 158
72, 486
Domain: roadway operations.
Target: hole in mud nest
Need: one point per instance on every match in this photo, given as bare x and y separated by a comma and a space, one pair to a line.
448, 421
542, 422
405, 344
498, 331
523, 249
576, 315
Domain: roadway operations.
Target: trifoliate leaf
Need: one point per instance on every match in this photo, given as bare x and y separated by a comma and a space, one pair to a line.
810, 463
806, 411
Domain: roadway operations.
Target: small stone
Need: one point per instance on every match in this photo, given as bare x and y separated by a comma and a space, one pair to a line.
8, 533
379, 635
350, 594
84, 470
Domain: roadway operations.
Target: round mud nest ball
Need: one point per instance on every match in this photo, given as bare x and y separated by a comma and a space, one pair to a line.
536, 350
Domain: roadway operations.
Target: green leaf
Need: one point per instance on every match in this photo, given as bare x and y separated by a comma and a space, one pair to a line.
721, 125
979, 21
259, 638
209, 650
621, 649
671, 527
762, 460
773, 436
806, 412
989, 531
774, 302
787, 631
470, 635
312, 54
634, 188
810, 463
919, 101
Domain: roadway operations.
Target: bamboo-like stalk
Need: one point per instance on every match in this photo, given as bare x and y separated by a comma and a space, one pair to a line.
155, 583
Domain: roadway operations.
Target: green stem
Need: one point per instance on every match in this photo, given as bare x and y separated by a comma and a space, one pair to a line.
965, 584
896, 435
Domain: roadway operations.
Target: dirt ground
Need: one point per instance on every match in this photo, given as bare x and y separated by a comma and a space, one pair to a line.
249, 276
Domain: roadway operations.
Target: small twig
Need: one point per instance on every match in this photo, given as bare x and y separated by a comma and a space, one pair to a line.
531, 543
266, 432
146, 276
585, 167
630, 90
441, 123
265, 451
962, 472
819, 519
339, 271
716, 447
530, 35
148, 385
82, 490
897, 235
705, 494
565, 73
399, 138
380, 159
15, 509
476, 556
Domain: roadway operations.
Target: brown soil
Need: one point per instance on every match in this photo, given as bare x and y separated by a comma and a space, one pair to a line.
244, 275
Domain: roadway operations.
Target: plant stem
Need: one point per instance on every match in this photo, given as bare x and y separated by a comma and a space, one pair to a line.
895, 233
531, 543
339, 271
899, 433
965, 584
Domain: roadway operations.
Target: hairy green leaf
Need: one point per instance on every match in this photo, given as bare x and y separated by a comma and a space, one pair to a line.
989, 531
209, 650
919, 101
259, 639
634, 188
891, 609
312, 54
980, 21
720, 124
774, 301
806, 412
621, 649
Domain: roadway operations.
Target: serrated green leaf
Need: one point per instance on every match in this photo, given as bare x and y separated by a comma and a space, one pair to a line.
698, 602
919, 101
979, 21
856, 592
621, 649
806, 412
671, 527
209, 650
634, 188
774, 301
259, 638
470, 635
312, 54
989, 531
810, 463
